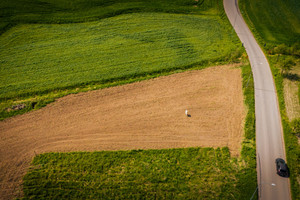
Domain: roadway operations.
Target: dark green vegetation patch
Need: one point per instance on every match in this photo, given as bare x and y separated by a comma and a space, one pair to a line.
75, 11
52, 48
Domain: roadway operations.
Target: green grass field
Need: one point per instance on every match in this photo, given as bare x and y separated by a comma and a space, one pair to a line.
192, 173
276, 25
276, 21
43, 58
39, 58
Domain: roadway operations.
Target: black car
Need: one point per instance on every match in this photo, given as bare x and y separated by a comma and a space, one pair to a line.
282, 168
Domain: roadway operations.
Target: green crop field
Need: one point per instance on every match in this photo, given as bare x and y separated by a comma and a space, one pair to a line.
276, 21
38, 58
52, 48
192, 173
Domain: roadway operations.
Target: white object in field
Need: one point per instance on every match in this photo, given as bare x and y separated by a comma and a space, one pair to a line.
186, 112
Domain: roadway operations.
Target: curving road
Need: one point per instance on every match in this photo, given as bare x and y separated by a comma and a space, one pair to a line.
269, 138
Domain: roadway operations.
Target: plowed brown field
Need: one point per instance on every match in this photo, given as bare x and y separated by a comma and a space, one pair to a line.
144, 115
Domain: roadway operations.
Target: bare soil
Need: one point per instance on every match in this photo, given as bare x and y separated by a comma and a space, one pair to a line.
143, 115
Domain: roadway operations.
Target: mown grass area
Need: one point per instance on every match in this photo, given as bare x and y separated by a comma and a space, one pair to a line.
189, 173
277, 29
41, 61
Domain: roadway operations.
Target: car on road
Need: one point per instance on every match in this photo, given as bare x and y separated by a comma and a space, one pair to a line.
282, 168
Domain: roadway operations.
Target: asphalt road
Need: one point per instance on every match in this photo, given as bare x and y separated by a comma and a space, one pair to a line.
269, 137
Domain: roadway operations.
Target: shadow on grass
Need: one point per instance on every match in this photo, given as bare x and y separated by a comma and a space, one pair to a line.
291, 76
